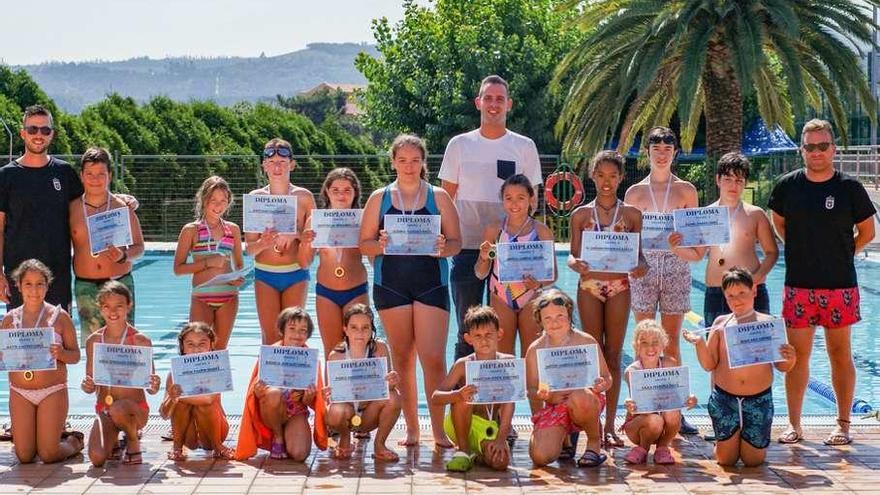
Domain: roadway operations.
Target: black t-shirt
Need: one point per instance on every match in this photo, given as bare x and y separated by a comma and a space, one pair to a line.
36, 202
819, 221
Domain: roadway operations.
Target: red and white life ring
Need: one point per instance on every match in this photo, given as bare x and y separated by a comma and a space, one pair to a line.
565, 205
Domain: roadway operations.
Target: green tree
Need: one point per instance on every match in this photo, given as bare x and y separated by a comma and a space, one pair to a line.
644, 61
433, 60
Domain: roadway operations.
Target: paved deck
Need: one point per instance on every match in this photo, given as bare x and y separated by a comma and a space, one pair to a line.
807, 467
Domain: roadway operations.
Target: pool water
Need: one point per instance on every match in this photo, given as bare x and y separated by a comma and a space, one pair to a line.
163, 308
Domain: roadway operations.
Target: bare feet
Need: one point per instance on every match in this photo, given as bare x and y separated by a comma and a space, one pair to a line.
385, 455
411, 440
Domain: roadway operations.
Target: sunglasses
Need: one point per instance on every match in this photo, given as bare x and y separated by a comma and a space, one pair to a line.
280, 151
809, 148
661, 139
33, 130
558, 301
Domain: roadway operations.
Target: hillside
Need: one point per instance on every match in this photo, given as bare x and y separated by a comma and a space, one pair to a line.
226, 80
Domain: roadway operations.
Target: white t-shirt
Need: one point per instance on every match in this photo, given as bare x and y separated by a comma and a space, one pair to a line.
479, 167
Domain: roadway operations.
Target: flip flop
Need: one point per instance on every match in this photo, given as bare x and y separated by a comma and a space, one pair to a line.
612, 440
839, 437
277, 451
662, 455
591, 458
386, 456
636, 455
133, 458
790, 436
461, 462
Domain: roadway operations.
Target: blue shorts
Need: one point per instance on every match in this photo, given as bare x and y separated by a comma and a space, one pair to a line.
714, 304
750, 414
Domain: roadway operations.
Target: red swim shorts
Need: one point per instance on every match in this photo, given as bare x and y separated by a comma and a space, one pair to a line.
557, 415
829, 308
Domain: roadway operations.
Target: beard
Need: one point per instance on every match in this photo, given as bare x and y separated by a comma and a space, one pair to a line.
36, 149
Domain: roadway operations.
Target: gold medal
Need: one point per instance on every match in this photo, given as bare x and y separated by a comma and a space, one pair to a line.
339, 272
108, 399
356, 420
28, 375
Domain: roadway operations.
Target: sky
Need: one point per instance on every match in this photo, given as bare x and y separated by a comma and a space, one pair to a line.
78, 30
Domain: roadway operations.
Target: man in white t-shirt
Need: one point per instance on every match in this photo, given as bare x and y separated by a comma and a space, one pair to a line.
475, 165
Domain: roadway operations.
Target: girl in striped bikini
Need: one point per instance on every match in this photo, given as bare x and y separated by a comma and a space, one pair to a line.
215, 245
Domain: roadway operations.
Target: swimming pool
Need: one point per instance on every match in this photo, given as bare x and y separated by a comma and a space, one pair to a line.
163, 307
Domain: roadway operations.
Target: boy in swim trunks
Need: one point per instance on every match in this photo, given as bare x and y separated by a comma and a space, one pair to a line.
741, 404
667, 285
479, 431
569, 411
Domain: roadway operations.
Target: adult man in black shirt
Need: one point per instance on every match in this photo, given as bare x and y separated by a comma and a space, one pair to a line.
814, 211
35, 193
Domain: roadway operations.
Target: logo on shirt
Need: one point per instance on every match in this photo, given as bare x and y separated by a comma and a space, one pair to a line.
829, 203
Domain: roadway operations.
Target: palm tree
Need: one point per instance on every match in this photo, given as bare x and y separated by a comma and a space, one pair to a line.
644, 60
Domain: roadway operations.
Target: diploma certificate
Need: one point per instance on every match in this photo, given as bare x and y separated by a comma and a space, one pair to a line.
708, 226
518, 259
568, 368
497, 380
357, 380
269, 211
755, 343
109, 228
412, 234
26, 349
656, 228
203, 373
616, 252
127, 366
659, 389
288, 367
226, 278
336, 228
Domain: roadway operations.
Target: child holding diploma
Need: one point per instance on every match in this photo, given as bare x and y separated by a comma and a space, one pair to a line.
479, 431
197, 421
117, 409
215, 245
603, 298
741, 404
512, 301
281, 268
563, 412
359, 342
342, 278
38, 399
653, 428
276, 419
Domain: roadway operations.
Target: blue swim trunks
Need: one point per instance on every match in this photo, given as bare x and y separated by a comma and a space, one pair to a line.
753, 414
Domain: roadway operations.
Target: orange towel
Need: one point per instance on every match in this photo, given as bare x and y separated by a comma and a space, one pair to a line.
253, 433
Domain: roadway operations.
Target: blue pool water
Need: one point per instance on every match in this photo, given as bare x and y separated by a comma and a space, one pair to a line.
163, 307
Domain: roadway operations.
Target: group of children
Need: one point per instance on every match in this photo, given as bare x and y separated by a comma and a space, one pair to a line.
410, 293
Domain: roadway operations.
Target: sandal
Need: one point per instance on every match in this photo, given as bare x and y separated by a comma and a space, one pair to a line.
636, 455
662, 455
341, 453
612, 440
591, 459
790, 436
839, 436
133, 458
461, 462
176, 455
386, 456
277, 451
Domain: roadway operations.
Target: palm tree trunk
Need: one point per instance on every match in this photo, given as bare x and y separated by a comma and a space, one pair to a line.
723, 104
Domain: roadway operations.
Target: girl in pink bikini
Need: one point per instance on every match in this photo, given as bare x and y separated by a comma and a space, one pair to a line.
38, 399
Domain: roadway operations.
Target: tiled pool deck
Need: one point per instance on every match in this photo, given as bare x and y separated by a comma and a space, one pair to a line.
807, 467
